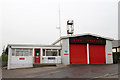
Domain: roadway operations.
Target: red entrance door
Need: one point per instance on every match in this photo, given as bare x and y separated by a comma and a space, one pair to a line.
78, 53
37, 56
97, 54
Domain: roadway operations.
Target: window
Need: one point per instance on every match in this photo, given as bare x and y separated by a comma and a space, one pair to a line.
43, 52
13, 52
22, 52
59, 53
51, 52
37, 52
19, 52
26, 52
31, 52
54, 53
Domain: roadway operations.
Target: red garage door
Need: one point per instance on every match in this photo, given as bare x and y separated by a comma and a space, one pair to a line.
97, 54
78, 54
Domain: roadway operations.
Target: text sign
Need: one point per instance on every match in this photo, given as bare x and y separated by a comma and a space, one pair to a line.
21, 58
87, 39
65, 53
109, 54
51, 58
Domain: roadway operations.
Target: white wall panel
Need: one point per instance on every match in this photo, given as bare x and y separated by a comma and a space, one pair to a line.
65, 47
15, 62
109, 56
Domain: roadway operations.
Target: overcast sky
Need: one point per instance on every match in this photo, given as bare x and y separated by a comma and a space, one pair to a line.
35, 21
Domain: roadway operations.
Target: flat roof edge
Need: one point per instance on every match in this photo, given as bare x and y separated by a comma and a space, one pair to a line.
33, 45
107, 38
65, 37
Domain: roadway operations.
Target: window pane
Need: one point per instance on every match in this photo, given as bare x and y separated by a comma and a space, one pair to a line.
59, 53
43, 52
19, 52
48, 53
13, 52
22, 52
31, 52
37, 52
51, 53
54, 53
26, 52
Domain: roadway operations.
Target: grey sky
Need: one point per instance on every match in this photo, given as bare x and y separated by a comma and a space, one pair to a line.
35, 21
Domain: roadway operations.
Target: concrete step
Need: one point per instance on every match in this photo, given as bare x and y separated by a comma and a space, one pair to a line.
43, 65
60, 65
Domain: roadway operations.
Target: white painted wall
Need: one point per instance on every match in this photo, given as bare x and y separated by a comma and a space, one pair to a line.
9, 58
109, 58
14, 62
65, 47
57, 60
58, 43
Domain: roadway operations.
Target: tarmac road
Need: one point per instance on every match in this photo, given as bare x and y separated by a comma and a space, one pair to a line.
71, 71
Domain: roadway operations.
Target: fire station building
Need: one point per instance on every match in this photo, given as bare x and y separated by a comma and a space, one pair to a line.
74, 49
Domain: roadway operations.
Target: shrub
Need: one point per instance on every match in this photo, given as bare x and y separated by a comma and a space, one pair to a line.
116, 57
4, 59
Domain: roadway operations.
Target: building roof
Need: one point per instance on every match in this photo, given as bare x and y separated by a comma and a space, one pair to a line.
85, 34
116, 43
30, 45
33, 45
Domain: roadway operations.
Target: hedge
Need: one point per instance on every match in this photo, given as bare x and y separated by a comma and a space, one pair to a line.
116, 57
4, 59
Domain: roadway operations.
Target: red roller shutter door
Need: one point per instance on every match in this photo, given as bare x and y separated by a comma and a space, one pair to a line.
78, 53
97, 54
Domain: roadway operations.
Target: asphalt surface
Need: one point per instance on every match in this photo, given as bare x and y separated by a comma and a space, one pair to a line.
71, 71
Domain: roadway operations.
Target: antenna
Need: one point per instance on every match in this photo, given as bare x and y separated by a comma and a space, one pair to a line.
59, 21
